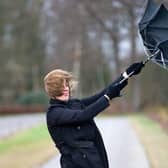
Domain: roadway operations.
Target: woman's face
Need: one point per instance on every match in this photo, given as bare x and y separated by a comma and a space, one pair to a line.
66, 92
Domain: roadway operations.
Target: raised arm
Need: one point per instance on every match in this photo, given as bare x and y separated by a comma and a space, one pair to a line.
89, 100
133, 69
61, 115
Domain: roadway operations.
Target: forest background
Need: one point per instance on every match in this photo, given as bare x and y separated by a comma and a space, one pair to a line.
94, 39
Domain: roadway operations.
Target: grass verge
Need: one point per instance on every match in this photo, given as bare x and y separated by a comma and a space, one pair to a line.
154, 139
27, 149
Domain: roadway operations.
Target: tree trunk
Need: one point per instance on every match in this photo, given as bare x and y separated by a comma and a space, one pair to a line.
76, 66
133, 55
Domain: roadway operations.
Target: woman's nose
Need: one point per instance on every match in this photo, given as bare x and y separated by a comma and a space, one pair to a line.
66, 88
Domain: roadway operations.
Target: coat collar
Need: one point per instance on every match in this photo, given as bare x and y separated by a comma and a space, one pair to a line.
56, 101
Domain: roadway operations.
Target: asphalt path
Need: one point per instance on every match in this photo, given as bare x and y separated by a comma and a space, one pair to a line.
123, 147
12, 124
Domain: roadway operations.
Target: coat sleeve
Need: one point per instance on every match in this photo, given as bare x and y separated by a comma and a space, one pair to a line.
61, 115
89, 100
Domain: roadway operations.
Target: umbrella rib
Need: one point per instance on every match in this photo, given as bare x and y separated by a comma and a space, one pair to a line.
147, 44
164, 65
158, 60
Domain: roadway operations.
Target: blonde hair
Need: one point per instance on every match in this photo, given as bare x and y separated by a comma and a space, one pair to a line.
53, 82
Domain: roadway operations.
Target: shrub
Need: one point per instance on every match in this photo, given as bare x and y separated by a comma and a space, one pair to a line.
32, 98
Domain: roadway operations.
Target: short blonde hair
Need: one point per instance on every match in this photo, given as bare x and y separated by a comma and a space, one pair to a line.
53, 82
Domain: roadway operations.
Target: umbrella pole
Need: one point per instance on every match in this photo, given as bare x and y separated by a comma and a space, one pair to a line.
150, 57
147, 60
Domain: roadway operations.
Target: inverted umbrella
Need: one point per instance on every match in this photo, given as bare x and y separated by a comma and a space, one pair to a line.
153, 28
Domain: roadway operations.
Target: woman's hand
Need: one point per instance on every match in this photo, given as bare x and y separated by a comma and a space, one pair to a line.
134, 69
114, 89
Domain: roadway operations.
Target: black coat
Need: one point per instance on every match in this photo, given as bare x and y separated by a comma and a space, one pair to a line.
75, 133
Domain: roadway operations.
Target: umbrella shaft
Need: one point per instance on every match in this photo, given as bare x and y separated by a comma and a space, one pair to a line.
150, 57
118, 83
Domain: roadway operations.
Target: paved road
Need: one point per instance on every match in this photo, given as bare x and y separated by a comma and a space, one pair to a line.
11, 124
123, 148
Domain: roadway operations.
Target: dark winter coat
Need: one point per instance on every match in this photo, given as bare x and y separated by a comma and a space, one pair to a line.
75, 133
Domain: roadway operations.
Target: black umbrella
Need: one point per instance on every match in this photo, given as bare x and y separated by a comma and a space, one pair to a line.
153, 28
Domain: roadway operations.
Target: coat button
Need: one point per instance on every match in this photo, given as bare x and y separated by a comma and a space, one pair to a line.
78, 127
84, 156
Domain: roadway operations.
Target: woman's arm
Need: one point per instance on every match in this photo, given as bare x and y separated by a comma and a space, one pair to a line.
89, 100
61, 115
134, 69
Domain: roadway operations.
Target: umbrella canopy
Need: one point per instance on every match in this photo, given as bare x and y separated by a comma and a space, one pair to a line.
153, 28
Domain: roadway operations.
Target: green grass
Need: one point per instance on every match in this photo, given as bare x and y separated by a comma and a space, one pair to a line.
23, 138
154, 139
29, 148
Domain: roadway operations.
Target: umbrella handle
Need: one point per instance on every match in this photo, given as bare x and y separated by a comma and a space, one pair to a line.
126, 78
121, 81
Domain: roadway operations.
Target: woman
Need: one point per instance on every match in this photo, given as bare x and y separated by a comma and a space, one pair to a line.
70, 121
